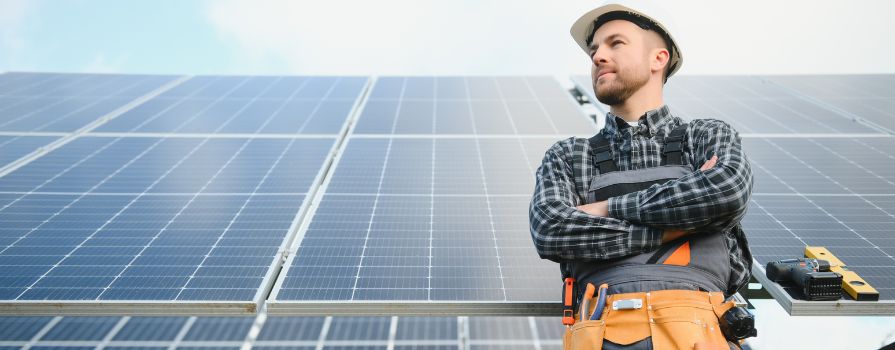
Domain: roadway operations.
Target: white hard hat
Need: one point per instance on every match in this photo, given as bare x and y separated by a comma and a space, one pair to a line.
642, 13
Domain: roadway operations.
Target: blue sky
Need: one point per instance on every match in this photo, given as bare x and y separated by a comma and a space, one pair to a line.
126, 36
478, 37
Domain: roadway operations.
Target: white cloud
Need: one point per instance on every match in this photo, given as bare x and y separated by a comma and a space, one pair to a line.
398, 36
531, 37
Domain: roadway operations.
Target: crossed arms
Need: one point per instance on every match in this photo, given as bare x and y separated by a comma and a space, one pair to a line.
711, 198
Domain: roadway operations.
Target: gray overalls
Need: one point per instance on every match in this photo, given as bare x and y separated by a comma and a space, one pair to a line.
695, 262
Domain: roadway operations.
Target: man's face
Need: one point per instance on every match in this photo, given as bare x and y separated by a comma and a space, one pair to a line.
620, 51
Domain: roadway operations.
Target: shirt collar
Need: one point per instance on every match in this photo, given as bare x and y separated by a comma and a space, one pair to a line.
653, 119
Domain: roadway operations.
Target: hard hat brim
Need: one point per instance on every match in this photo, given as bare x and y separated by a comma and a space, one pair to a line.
584, 26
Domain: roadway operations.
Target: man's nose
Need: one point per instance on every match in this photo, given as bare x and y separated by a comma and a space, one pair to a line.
600, 56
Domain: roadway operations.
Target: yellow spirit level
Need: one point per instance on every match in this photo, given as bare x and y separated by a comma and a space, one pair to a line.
852, 284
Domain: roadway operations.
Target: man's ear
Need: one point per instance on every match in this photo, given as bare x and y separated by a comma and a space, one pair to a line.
659, 59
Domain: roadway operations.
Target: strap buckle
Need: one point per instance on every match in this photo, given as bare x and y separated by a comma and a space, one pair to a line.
673, 146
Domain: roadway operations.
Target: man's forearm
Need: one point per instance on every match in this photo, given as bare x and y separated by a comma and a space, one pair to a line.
601, 208
562, 231
704, 198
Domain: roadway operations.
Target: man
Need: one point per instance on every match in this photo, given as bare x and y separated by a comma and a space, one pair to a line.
651, 205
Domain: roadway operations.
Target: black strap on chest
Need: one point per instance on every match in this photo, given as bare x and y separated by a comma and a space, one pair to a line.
672, 151
602, 154
674, 146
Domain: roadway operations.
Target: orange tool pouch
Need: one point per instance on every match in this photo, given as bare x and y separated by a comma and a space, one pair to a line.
673, 319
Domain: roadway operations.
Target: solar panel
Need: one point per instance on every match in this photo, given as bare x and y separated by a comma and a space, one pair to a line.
833, 192
502, 328
870, 98
427, 328
150, 329
290, 332
226, 104
188, 196
847, 166
67, 102
433, 219
857, 229
749, 104
427, 205
21, 328
219, 329
291, 329
81, 328
142, 219
359, 328
471, 105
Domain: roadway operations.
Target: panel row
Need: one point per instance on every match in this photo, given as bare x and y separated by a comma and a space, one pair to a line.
765, 105
280, 332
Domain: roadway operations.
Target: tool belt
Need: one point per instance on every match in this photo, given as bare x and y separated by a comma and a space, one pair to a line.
673, 319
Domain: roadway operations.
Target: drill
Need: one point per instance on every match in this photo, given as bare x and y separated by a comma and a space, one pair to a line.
812, 277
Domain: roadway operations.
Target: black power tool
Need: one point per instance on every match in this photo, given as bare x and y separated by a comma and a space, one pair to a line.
812, 277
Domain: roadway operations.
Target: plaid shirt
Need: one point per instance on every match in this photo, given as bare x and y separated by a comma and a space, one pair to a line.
714, 200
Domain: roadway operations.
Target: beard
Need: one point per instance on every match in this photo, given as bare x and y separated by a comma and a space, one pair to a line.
617, 90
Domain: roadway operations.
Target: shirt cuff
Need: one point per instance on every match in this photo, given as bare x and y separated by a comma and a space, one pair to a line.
625, 207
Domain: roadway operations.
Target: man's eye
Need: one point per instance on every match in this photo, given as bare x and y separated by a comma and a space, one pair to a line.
616, 42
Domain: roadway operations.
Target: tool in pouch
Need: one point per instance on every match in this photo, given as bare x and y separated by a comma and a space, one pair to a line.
587, 333
593, 294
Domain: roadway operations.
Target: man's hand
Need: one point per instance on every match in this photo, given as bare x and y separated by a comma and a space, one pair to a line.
670, 235
709, 164
600, 208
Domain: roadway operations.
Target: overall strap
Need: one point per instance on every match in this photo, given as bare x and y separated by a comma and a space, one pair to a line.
674, 145
602, 154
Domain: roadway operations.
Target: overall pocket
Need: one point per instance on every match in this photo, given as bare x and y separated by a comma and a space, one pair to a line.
585, 335
682, 326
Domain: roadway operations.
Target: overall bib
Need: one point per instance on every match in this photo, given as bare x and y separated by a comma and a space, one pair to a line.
682, 270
